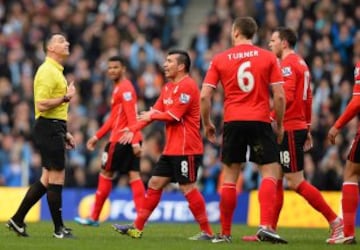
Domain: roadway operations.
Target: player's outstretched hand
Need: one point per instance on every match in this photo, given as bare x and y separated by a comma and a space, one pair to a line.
210, 133
90, 145
127, 137
145, 116
71, 90
70, 141
308, 143
333, 132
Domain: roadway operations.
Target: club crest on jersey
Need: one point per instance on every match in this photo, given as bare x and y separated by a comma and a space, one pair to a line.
167, 101
286, 71
184, 98
357, 72
127, 96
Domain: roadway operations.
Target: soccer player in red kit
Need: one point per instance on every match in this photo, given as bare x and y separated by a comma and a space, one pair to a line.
297, 136
117, 157
179, 107
350, 188
246, 73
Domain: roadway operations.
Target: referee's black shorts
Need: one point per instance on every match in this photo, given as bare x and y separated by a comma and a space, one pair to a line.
50, 138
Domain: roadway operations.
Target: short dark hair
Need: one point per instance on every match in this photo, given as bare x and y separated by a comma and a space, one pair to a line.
288, 35
118, 59
183, 58
246, 25
48, 38
46, 41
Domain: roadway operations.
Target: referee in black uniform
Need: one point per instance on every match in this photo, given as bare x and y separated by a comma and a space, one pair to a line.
52, 94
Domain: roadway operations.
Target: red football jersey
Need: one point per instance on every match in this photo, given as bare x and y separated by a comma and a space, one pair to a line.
353, 107
246, 72
298, 92
181, 101
123, 112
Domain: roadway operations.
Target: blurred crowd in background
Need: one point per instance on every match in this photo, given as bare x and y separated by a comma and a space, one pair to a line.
142, 31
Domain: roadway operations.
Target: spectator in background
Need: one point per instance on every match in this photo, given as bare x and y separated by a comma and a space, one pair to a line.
211, 170
150, 83
12, 172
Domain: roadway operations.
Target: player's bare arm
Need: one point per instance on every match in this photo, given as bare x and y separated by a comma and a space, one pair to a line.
279, 107
205, 107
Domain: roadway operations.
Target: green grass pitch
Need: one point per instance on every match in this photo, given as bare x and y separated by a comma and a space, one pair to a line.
157, 237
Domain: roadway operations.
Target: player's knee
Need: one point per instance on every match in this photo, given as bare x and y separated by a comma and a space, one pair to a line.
157, 183
134, 175
186, 188
293, 183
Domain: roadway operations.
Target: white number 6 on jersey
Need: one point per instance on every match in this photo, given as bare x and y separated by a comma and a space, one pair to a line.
243, 74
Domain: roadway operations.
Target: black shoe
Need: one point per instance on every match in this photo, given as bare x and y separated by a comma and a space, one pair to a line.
266, 234
20, 229
63, 233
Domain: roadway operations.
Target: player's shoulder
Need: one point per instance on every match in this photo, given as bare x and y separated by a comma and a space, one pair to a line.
188, 83
126, 85
296, 61
264, 55
221, 56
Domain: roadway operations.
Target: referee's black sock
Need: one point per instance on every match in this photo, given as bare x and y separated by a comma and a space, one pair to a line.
33, 195
54, 199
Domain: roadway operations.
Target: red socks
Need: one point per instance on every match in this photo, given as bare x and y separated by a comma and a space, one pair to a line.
267, 196
278, 203
102, 192
316, 200
198, 209
138, 193
228, 201
151, 200
350, 201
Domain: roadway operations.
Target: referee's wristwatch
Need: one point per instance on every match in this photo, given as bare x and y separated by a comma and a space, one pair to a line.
66, 98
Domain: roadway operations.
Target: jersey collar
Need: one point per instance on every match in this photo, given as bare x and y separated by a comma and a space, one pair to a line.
55, 63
